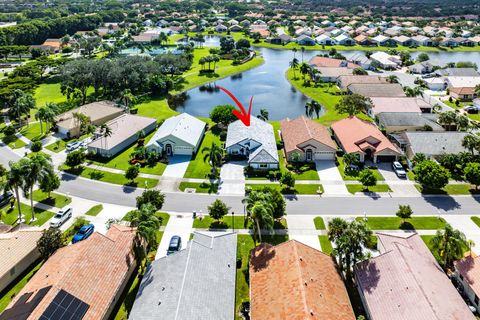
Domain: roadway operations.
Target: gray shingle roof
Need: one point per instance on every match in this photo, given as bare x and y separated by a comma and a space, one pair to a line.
436, 143
458, 72
195, 283
406, 119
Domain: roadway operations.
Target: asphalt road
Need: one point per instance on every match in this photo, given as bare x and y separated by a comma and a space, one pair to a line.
305, 205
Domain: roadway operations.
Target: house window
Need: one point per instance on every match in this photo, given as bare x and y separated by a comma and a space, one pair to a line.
263, 165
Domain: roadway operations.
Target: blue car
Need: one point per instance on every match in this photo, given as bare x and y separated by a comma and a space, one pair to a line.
83, 233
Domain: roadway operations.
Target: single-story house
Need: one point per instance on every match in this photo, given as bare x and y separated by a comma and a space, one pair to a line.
462, 82
393, 122
325, 40
178, 135
361, 60
436, 84
406, 282
282, 38
421, 40
344, 40
377, 89
449, 42
324, 62
403, 40
457, 72
433, 144
256, 142
467, 272
49, 45
306, 140
19, 251
294, 281
385, 60
221, 28
194, 283
364, 40
463, 93
235, 28
383, 41
99, 112
147, 37
305, 40
124, 132
344, 81
84, 280
326, 74
421, 67
363, 138
398, 104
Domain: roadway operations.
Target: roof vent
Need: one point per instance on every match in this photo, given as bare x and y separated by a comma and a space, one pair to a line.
229, 265
301, 259
163, 288
305, 283
311, 312
159, 302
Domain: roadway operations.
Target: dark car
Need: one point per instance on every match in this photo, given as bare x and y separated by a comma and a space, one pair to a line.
5, 198
175, 245
83, 233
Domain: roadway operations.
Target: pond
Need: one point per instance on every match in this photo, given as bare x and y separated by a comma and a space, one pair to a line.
269, 87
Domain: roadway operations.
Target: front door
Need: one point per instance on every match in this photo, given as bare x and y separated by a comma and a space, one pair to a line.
309, 155
168, 149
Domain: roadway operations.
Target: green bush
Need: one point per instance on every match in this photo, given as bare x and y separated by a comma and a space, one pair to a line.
36, 146
9, 130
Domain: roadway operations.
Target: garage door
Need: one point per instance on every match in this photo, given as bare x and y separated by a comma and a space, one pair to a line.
385, 158
181, 150
327, 155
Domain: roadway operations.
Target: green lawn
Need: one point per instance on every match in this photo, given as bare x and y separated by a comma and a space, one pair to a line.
476, 220
328, 95
226, 223
61, 144
54, 200
354, 188
325, 244
95, 210
121, 160
110, 177
319, 223
164, 217
198, 168
244, 245
33, 132
199, 187
427, 239
394, 223
451, 189
11, 216
48, 92
14, 288
155, 107
299, 188
353, 175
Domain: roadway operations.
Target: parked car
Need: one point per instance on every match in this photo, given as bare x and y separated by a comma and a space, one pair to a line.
175, 245
398, 169
85, 142
5, 198
62, 216
472, 109
83, 233
73, 145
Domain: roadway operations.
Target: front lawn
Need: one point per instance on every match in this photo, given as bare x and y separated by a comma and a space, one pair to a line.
202, 187
15, 287
164, 217
450, 189
95, 210
353, 174
61, 144
245, 244
33, 132
476, 220
319, 223
414, 223
427, 239
325, 244
226, 222
54, 200
11, 216
198, 168
110, 177
354, 188
298, 189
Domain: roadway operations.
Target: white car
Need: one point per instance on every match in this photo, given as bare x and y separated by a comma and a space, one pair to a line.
73, 145
398, 169
62, 216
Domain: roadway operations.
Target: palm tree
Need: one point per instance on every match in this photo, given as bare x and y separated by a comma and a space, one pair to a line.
106, 132
263, 115
413, 92
213, 155
215, 59
22, 104
294, 65
146, 222
449, 244
40, 115
51, 110
312, 107
303, 51
35, 169
262, 218
448, 119
392, 78
15, 182
127, 97
294, 50
304, 69
201, 62
471, 142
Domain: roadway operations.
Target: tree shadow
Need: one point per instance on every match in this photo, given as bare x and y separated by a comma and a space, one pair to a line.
218, 224
96, 175
406, 226
445, 203
261, 256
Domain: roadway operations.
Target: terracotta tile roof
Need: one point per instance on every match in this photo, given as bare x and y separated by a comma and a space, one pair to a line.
323, 62
295, 282
406, 282
92, 270
355, 135
469, 268
463, 90
302, 129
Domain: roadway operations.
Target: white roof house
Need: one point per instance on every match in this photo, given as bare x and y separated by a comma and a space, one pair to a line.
256, 142
386, 61
459, 82
179, 135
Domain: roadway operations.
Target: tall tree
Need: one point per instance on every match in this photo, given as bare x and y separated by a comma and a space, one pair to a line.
313, 107
294, 66
449, 244
213, 155
352, 104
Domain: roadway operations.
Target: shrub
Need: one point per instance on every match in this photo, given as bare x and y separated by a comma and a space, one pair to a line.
9, 130
223, 136
36, 146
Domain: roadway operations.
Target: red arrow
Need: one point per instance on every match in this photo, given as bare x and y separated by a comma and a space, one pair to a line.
243, 115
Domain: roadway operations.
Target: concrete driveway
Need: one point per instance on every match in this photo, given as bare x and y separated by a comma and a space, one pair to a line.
178, 225
330, 178
177, 166
232, 179
400, 187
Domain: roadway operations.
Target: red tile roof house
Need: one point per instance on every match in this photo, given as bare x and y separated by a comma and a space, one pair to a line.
467, 271
86, 279
405, 282
292, 281
365, 139
463, 93
306, 140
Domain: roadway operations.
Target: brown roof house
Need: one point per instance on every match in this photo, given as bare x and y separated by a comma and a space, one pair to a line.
99, 112
292, 281
364, 139
344, 81
398, 104
467, 271
19, 251
377, 89
405, 282
49, 45
306, 140
80, 281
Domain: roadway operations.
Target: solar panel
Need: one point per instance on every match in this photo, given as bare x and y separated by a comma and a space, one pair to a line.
65, 307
